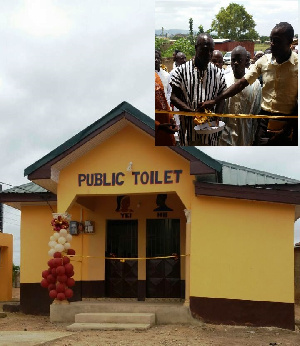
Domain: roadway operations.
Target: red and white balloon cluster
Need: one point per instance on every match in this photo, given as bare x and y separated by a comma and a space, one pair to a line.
58, 277
61, 238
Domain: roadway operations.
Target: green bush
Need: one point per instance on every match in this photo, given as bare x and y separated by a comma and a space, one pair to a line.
183, 45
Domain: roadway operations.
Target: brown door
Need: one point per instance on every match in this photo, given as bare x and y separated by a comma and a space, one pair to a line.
121, 278
163, 275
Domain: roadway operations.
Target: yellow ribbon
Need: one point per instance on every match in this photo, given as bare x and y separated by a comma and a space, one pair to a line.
123, 259
193, 114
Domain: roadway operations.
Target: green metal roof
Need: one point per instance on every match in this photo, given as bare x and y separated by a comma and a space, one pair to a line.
25, 188
239, 175
122, 107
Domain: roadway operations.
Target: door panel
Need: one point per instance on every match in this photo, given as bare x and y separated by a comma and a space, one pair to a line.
163, 275
121, 278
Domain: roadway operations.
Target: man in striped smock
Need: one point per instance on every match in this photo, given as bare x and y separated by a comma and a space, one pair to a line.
194, 82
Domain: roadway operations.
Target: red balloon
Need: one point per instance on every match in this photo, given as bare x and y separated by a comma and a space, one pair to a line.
60, 270
70, 274
44, 283
69, 267
51, 279
57, 255
57, 262
51, 263
71, 252
60, 288
62, 278
70, 282
53, 294
51, 287
61, 296
68, 293
66, 260
45, 273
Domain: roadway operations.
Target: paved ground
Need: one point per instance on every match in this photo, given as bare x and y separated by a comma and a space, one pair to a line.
11, 338
28, 330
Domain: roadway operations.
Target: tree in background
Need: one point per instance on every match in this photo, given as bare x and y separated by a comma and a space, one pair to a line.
160, 42
264, 38
200, 30
235, 23
191, 35
183, 45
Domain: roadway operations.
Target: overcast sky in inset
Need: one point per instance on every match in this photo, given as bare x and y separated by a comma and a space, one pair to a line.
175, 14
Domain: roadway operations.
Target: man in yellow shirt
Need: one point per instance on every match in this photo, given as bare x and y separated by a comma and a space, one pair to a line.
279, 72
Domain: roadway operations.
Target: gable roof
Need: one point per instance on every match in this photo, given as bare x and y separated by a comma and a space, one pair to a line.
41, 168
122, 107
200, 163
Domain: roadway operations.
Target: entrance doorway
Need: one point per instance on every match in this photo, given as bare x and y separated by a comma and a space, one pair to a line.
163, 275
121, 278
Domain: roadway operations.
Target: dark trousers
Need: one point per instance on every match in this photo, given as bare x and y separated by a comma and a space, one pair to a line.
288, 136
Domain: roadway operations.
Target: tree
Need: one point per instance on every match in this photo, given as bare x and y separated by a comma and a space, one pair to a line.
264, 38
191, 36
235, 23
183, 45
200, 30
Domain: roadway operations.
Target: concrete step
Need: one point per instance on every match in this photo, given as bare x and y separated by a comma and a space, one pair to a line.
116, 317
108, 326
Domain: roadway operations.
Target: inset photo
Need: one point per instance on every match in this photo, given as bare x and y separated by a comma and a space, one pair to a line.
226, 74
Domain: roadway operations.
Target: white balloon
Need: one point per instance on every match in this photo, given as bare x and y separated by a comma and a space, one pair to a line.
67, 246
69, 238
61, 240
52, 243
63, 232
59, 247
56, 235
51, 252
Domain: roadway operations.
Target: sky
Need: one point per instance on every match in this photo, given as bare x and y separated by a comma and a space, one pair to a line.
64, 64
175, 14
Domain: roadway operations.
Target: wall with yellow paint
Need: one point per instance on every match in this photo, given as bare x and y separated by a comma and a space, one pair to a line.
89, 262
242, 250
113, 156
6, 264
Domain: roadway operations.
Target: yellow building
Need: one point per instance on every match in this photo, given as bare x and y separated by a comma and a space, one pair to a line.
217, 235
6, 265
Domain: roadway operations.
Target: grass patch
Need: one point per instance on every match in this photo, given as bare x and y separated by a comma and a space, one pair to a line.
261, 46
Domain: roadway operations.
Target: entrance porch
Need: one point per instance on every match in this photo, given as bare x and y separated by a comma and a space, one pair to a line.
166, 311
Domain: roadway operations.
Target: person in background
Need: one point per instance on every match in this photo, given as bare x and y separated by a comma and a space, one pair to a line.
179, 60
163, 75
239, 131
174, 57
194, 82
279, 72
164, 123
258, 55
248, 60
217, 59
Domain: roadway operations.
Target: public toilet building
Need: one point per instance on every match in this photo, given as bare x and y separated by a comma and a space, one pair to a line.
181, 224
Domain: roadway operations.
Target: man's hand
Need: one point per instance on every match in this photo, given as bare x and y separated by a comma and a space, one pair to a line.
169, 128
206, 105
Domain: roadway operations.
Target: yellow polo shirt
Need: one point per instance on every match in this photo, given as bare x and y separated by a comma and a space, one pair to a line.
280, 83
